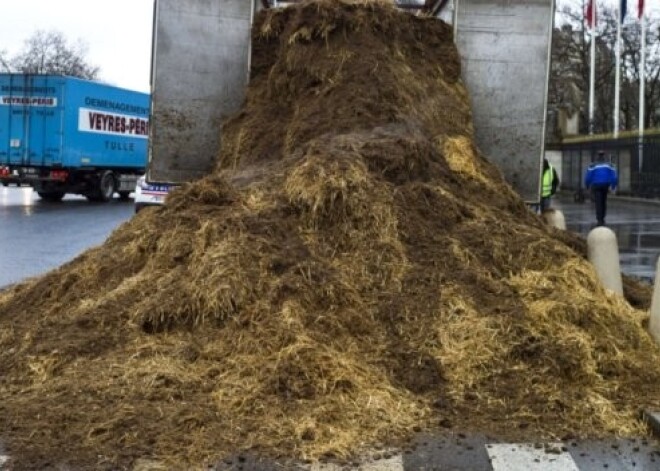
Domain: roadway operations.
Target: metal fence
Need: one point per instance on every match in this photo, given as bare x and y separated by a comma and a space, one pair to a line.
638, 163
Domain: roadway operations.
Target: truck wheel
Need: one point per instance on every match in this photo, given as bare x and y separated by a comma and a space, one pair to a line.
106, 186
51, 196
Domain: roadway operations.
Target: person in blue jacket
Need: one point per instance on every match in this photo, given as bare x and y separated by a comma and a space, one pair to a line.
600, 177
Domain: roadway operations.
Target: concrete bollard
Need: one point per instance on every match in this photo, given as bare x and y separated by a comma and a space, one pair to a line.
555, 218
654, 321
603, 252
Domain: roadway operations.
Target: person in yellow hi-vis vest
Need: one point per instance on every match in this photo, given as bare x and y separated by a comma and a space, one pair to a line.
549, 184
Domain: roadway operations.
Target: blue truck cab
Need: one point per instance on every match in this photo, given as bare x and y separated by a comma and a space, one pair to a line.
67, 135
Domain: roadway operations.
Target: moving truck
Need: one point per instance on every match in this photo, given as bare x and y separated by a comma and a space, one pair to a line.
67, 135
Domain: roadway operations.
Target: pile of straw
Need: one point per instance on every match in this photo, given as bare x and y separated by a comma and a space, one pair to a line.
353, 272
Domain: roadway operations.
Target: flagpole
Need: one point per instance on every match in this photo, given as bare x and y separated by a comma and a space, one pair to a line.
642, 84
592, 76
617, 75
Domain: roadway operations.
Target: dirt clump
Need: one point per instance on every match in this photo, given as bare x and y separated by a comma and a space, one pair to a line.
354, 271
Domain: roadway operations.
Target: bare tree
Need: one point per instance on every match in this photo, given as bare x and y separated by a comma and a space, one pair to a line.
569, 78
631, 57
48, 52
4, 62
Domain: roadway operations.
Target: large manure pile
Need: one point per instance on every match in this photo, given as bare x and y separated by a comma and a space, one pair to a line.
354, 271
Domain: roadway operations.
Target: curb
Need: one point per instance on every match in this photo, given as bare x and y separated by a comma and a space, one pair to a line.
568, 196
633, 199
652, 418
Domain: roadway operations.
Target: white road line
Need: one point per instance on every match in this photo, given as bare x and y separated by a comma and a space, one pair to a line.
530, 457
394, 463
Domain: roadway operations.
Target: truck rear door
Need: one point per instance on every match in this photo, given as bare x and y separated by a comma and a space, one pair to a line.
31, 120
200, 65
505, 55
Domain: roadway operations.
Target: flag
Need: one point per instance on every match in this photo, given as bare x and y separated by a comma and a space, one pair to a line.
590, 14
623, 8
640, 9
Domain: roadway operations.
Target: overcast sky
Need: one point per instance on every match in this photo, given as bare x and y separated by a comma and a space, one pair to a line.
117, 33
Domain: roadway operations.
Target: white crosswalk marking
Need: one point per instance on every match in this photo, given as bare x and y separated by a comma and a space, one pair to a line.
530, 457
394, 463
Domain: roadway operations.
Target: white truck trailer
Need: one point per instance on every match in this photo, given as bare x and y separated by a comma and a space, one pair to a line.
201, 59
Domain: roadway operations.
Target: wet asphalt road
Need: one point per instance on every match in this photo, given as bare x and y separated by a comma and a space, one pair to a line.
636, 224
460, 452
36, 236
